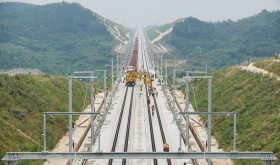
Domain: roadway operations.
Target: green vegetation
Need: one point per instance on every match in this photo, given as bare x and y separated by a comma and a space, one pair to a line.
255, 98
55, 38
225, 43
123, 30
24, 98
163, 28
269, 64
152, 31
262, 63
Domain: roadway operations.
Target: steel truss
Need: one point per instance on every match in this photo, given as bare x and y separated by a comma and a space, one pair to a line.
12, 158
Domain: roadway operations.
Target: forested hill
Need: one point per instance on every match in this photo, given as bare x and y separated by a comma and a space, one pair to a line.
24, 98
255, 97
225, 43
54, 38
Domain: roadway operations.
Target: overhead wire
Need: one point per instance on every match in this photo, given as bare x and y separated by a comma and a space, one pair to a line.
193, 89
86, 87
194, 99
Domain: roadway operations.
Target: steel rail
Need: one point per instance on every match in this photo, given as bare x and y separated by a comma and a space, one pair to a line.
118, 127
128, 127
160, 125
151, 127
158, 115
193, 131
149, 112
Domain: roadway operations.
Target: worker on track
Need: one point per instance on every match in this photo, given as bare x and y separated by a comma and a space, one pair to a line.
153, 110
149, 100
156, 93
165, 147
150, 92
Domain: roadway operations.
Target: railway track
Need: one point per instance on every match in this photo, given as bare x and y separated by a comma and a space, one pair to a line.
151, 128
119, 126
160, 125
194, 133
128, 127
149, 114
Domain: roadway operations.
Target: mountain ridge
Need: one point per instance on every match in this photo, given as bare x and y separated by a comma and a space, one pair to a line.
224, 43
55, 38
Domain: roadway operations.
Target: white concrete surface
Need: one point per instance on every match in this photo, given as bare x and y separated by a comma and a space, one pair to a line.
161, 35
254, 69
108, 128
141, 132
62, 145
170, 128
115, 33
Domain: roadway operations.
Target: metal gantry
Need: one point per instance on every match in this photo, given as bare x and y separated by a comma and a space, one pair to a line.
61, 113
217, 113
174, 77
209, 110
70, 109
12, 158
91, 101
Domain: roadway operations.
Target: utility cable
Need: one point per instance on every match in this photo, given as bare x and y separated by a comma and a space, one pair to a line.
82, 85
85, 99
194, 99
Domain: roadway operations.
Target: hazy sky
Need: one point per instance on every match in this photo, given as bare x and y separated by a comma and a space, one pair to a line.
152, 12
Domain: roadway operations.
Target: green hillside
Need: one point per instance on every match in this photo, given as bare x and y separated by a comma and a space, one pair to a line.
225, 43
23, 99
255, 98
115, 27
271, 65
152, 31
54, 38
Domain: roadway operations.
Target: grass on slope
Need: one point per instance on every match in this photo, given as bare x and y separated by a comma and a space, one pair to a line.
123, 30
269, 65
163, 28
23, 99
255, 98
152, 31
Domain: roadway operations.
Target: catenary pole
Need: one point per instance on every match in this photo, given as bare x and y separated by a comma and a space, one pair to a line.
209, 116
91, 116
187, 115
70, 117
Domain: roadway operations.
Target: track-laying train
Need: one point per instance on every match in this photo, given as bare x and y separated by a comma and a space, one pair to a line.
132, 74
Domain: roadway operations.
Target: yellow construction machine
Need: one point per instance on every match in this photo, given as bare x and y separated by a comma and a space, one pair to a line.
132, 75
